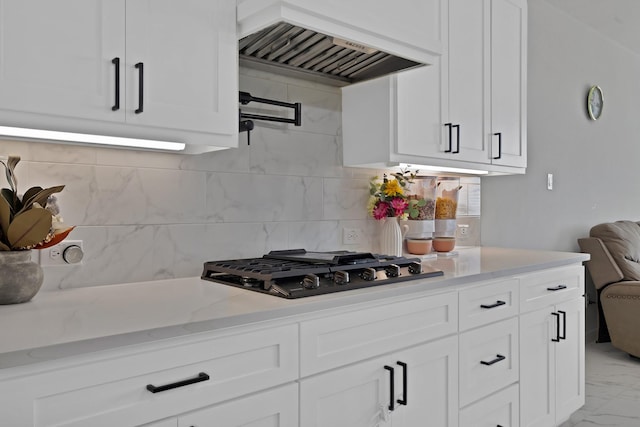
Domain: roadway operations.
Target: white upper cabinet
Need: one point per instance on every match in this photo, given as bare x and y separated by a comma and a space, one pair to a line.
466, 110
181, 45
56, 56
508, 82
159, 69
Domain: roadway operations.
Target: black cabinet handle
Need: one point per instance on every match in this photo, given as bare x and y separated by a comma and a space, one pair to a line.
403, 401
116, 63
557, 288
392, 403
499, 135
564, 325
498, 358
457, 139
450, 126
557, 338
497, 304
201, 377
140, 67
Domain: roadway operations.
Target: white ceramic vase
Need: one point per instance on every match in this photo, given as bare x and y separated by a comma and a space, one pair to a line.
391, 237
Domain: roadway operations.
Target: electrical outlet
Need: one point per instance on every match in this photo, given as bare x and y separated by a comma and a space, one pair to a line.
68, 252
351, 236
463, 229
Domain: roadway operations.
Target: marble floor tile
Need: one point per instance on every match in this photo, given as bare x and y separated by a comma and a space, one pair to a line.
612, 389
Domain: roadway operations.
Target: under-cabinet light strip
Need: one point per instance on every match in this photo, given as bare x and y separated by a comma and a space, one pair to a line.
444, 169
90, 139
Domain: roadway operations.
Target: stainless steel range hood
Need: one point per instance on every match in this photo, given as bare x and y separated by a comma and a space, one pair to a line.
293, 50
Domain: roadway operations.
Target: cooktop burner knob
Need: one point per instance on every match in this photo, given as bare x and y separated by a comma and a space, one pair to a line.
311, 281
392, 270
368, 274
415, 268
341, 277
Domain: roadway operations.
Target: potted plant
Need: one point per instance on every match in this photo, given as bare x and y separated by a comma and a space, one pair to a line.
388, 201
28, 221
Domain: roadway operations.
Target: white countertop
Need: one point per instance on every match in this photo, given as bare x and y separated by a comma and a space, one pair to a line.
63, 323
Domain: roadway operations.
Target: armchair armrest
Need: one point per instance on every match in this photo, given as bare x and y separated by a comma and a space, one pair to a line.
602, 267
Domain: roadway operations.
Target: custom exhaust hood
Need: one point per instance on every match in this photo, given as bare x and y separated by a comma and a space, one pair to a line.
288, 37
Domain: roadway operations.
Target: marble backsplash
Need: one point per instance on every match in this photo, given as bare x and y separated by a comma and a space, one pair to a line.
147, 215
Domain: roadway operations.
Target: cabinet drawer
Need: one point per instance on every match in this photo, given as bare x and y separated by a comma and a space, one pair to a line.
488, 360
115, 392
488, 303
499, 409
345, 338
549, 287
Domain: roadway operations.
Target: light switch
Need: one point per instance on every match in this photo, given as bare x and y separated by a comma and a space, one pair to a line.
549, 181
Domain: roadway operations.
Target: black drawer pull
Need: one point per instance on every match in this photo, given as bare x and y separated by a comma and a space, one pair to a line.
497, 304
557, 288
140, 67
403, 401
558, 337
499, 135
450, 126
564, 325
392, 380
498, 358
457, 150
201, 377
116, 63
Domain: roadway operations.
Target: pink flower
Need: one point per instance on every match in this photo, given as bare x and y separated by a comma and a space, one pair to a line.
399, 205
380, 211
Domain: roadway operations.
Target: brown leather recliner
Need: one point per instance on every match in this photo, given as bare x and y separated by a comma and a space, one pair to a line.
615, 270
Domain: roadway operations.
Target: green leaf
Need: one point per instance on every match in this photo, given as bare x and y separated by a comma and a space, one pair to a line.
30, 193
40, 197
29, 228
12, 199
5, 215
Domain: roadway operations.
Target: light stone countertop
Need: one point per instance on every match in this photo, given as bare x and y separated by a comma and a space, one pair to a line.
65, 323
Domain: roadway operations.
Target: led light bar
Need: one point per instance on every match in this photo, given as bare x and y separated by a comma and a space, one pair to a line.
444, 169
90, 139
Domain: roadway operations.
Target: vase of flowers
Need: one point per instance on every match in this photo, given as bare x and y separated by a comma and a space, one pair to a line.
28, 221
388, 202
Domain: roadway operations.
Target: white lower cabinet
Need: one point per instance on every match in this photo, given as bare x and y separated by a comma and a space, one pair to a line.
488, 360
507, 352
498, 409
401, 389
552, 381
275, 408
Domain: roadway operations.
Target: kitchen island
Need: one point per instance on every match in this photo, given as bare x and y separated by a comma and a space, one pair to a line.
110, 340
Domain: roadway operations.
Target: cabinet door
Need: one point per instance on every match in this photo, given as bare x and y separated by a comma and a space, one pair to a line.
432, 385
570, 379
56, 57
508, 82
420, 113
356, 396
189, 56
537, 373
468, 72
275, 408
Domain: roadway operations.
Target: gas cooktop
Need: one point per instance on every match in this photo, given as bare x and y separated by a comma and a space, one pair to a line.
297, 273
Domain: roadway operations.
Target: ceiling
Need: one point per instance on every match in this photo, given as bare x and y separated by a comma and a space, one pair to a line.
616, 19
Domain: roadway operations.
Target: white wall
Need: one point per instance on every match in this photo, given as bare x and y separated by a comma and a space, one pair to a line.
595, 164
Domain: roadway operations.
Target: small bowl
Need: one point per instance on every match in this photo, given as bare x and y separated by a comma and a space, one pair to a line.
419, 246
444, 244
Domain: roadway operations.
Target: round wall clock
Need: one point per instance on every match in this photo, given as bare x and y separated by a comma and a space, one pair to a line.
595, 101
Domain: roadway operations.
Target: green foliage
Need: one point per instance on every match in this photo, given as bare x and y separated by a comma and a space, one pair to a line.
24, 223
